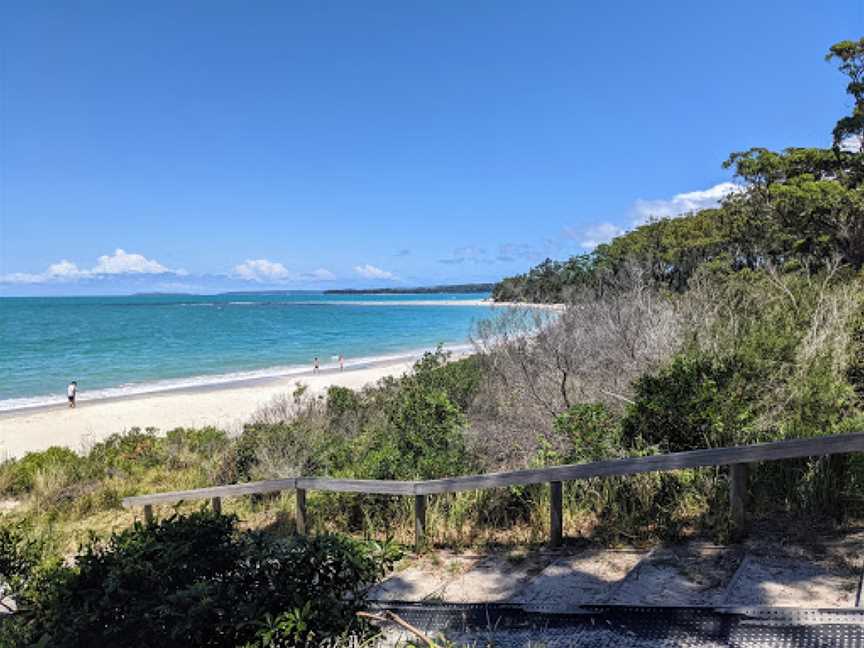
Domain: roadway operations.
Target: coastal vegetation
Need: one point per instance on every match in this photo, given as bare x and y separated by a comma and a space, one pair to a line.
732, 325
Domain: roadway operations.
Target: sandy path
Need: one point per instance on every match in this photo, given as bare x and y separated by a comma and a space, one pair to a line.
225, 406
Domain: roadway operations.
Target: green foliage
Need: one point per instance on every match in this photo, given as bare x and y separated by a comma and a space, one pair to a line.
22, 555
459, 380
127, 452
855, 369
419, 438
694, 402
549, 282
197, 581
851, 57
19, 476
592, 433
271, 450
199, 441
418, 434
341, 401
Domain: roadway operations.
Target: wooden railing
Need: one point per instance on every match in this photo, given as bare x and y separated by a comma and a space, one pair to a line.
737, 458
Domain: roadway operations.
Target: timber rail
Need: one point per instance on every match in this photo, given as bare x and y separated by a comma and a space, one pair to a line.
737, 458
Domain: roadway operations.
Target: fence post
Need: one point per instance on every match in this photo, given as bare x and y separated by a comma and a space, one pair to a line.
148, 513
738, 499
216, 505
300, 511
556, 526
419, 522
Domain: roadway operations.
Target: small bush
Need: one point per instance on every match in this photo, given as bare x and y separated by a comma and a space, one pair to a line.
696, 401
591, 431
197, 581
36, 468
459, 380
200, 441
127, 453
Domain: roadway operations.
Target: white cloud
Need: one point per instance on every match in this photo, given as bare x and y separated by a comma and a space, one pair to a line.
119, 263
852, 144
66, 270
682, 203
591, 236
122, 262
261, 270
371, 272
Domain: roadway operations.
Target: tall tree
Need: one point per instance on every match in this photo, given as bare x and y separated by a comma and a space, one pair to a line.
849, 131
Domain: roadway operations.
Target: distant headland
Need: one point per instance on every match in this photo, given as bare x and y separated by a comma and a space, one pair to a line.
424, 290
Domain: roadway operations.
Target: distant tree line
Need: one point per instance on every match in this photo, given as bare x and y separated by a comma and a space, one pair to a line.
423, 290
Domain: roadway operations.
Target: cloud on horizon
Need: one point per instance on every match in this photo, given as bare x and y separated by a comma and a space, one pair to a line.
591, 236
369, 271
643, 211
261, 270
266, 271
119, 263
682, 203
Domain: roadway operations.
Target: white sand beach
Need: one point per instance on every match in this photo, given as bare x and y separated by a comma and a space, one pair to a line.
226, 406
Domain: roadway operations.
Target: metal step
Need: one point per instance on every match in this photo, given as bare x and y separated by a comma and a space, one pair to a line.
635, 626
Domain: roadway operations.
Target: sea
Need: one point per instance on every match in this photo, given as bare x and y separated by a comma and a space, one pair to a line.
117, 346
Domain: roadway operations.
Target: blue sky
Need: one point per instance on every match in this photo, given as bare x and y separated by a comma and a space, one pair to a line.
223, 145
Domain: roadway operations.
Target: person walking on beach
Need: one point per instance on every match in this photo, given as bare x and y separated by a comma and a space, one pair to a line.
316, 366
72, 393
341, 362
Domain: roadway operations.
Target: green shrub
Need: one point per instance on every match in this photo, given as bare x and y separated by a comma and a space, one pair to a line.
694, 402
128, 453
205, 441
459, 380
20, 556
420, 437
273, 450
855, 369
197, 581
341, 401
21, 475
592, 433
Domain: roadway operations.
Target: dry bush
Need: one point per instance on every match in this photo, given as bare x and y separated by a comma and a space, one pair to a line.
53, 484
284, 407
288, 435
539, 364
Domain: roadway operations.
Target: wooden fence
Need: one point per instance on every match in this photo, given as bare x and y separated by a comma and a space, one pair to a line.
737, 458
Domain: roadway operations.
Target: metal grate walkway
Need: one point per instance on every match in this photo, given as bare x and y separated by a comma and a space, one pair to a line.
504, 625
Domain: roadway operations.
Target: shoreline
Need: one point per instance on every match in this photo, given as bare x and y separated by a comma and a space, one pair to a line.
209, 382
225, 405
194, 382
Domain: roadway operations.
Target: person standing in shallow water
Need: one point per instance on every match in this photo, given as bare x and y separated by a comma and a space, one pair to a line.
72, 393
341, 362
316, 365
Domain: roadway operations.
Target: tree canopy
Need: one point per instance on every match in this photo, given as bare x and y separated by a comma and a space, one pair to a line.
796, 207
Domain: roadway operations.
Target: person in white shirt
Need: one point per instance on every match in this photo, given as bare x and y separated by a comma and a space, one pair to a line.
72, 392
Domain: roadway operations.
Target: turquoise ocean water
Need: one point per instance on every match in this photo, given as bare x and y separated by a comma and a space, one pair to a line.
124, 345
